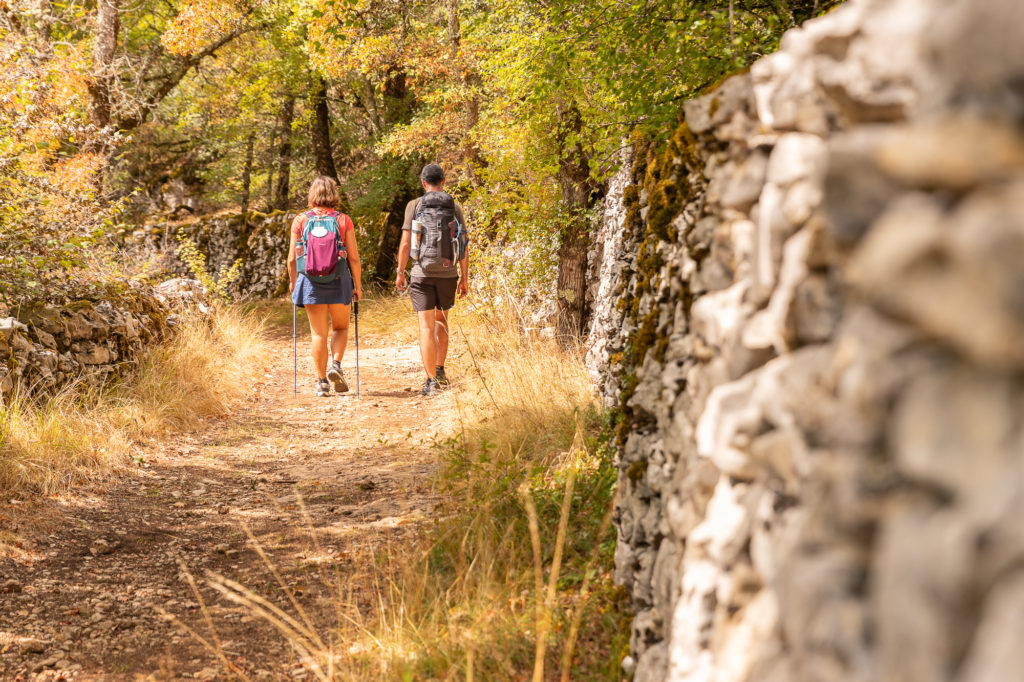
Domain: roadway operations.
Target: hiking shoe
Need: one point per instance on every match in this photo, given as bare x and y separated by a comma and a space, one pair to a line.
337, 377
430, 387
442, 379
323, 388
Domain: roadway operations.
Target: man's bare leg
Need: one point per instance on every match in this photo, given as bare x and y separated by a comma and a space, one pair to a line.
428, 341
441, 335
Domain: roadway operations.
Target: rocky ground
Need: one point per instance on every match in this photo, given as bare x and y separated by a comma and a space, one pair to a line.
99, 588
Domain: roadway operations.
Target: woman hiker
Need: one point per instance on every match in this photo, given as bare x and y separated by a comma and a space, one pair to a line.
325, 277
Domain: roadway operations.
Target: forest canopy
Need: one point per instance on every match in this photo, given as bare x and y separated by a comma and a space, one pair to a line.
117, 113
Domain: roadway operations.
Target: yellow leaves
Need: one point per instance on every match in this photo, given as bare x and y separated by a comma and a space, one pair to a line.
342, 50
77, 173
198, 23
425, 134
69, 83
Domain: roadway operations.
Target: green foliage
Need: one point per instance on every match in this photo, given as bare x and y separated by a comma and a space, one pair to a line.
195, 261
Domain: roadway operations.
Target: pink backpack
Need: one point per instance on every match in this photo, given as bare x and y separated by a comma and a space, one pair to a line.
321, 247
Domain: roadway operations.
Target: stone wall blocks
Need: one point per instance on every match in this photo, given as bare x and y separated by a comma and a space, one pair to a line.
692, 621
943, 414
725, 529
924, 571
717, 318
955, 153
652, 664
815, 310
995, 653
744, 182
952, 276
800, 202
10, 326
20, 343
841, 383
78, 327
783, 453
650, 628
698, 114
46, 318
856, 192
45, 339
797, 157
682, 515
624, 561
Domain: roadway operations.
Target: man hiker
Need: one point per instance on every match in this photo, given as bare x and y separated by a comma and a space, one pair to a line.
434, 234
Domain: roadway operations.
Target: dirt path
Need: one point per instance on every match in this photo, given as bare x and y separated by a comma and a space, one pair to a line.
82, 601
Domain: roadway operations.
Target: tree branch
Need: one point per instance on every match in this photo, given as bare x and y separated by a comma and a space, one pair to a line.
169, 80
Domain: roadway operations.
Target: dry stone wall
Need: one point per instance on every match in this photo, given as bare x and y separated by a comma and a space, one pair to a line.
811, 319
47, 347
259, 240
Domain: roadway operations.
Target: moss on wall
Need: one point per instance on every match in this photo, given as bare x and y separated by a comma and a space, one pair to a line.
665, 177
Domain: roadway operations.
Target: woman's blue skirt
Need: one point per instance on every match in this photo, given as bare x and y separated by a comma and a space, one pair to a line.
312, 293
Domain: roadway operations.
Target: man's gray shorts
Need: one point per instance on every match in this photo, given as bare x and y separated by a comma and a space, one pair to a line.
430, 293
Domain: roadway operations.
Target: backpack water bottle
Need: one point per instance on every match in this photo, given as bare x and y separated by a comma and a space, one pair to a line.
322, 248
417, 234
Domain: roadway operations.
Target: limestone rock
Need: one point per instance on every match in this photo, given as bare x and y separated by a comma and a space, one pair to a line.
820, 478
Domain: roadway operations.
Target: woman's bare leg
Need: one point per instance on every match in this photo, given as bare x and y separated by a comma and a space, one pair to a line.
317, 314
339, 323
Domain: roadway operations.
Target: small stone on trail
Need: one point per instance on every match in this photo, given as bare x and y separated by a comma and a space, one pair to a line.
32, 646
206, 674
102, 546
11, 587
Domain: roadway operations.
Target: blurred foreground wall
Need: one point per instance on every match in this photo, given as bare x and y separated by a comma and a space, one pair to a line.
810, 318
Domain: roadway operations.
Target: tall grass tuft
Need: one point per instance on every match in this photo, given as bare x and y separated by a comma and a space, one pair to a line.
84, 433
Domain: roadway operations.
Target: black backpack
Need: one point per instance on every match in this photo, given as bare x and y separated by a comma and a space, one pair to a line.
443, 242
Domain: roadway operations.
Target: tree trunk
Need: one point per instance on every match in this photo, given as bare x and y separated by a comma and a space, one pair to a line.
577, 198
269, 164
390, 237
396, 110
471, 79
102, 77
247, 173
368, 98
321, 131
284, 155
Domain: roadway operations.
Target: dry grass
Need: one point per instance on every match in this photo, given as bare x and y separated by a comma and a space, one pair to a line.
84, 434
388, 317
513, 580
528, 484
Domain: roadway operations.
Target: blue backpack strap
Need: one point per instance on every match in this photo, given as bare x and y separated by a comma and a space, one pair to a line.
305, 225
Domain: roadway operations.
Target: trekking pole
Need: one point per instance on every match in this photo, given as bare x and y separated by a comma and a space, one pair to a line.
355, 312
295, 355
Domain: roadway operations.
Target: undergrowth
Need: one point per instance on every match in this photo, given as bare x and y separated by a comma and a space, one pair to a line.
524, 543
512, 581
83, 433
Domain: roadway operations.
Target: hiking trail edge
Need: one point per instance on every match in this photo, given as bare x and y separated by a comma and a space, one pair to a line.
81, 600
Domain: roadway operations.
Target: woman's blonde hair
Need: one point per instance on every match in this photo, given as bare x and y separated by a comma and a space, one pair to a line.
323, 192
